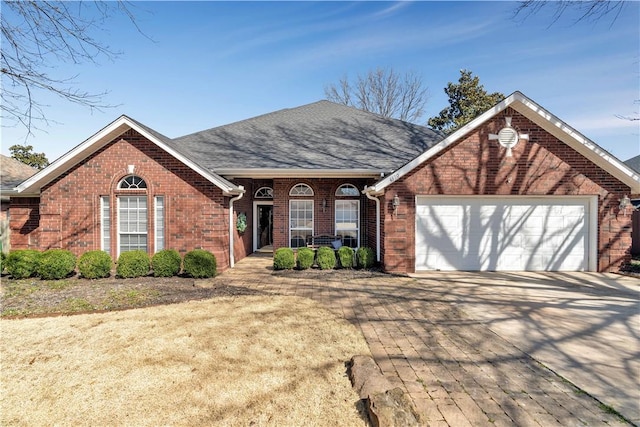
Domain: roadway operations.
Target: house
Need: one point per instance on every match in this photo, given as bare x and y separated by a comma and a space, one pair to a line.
634, 163
515, 189
12, 173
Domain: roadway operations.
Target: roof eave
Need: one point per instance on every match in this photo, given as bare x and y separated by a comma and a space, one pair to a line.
542, 118
102, 138
268, 173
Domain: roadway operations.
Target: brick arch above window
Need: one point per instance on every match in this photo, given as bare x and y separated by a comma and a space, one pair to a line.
301, 190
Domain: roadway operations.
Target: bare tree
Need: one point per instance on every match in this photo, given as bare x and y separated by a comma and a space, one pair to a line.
383, 91
36, 36
590, 10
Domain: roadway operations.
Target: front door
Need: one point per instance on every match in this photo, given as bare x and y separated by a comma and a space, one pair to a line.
264, 225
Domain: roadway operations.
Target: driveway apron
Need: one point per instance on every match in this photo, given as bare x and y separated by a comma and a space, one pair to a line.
456, 369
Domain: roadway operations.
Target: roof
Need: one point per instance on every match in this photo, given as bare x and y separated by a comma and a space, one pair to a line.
13, 172
102, 138
634, 163
542, 118
322, 138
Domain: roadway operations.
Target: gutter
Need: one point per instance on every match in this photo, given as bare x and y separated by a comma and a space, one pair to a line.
366, 192
232, 258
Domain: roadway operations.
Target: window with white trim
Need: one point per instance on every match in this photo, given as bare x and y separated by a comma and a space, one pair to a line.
301, 190
159, 223
132, 182
264, 193
347, 190
105, 225
300, 222
348, 221
132, 223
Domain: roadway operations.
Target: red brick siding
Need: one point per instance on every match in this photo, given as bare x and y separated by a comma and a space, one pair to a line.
196, 212
476, 166
324, 219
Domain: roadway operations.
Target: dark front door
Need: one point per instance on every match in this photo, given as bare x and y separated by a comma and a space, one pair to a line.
265, 225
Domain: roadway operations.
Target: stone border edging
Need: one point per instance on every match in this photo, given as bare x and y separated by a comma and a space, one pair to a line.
386, 406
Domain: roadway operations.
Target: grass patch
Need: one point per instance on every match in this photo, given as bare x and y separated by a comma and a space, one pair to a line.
75, 305
253, 360
128, 297
19, 288
58, 285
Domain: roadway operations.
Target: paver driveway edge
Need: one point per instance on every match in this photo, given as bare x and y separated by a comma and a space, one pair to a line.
457, 371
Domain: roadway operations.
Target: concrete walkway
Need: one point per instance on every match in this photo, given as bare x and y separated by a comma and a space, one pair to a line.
457, 370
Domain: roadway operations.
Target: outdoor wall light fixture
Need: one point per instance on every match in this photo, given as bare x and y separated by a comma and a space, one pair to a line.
324, 205
625, 202
395, 203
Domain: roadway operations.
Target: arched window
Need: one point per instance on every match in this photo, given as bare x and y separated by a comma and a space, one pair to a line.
347, 190
264, 193
132, 182
301, 190
348, 215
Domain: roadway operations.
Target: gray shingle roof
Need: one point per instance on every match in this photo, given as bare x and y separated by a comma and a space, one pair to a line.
634, 163
321, 135
13, 172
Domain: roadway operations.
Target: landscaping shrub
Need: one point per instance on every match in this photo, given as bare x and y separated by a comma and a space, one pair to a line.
2, 258
345, 257
199, 263
325, 258
166, 263
283, 259
22, 263
95, 264
55, 264
133, 264
364, 257
305, 258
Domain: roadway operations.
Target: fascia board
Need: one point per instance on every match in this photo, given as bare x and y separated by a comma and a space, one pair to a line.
300, 173
99, 140
578, 142
542, 118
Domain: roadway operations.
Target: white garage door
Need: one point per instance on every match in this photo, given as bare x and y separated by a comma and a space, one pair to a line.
502, 233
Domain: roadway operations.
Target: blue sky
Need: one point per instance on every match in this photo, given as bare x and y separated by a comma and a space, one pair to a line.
213, 63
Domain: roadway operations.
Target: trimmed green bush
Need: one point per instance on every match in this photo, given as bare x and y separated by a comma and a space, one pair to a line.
166, 263
364, 257
55, 264
199, 263
283, 259
305, 258
133, 264
325, 258
345, 257
22, 263
3, 256
95, 265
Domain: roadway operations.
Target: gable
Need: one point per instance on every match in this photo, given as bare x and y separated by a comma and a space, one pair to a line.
75, 156
540, 117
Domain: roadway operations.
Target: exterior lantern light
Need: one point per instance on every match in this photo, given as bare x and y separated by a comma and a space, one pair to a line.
625, 202
395, 203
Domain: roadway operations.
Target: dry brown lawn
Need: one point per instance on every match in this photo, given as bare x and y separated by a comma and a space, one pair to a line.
251, 360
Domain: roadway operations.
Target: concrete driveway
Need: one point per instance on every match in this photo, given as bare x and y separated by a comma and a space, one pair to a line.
583, 326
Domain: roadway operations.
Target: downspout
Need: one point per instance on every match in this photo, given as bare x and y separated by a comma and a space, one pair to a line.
370, 197
232, 258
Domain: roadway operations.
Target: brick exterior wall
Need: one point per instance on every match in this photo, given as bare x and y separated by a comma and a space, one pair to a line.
476, 166
67, 214
324, 218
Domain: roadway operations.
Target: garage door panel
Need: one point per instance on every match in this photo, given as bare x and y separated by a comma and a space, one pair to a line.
479, 233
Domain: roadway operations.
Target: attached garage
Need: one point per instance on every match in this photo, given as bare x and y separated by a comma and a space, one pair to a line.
506, 233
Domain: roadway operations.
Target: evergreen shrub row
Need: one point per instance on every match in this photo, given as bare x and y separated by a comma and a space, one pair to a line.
55, 264
324, 257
